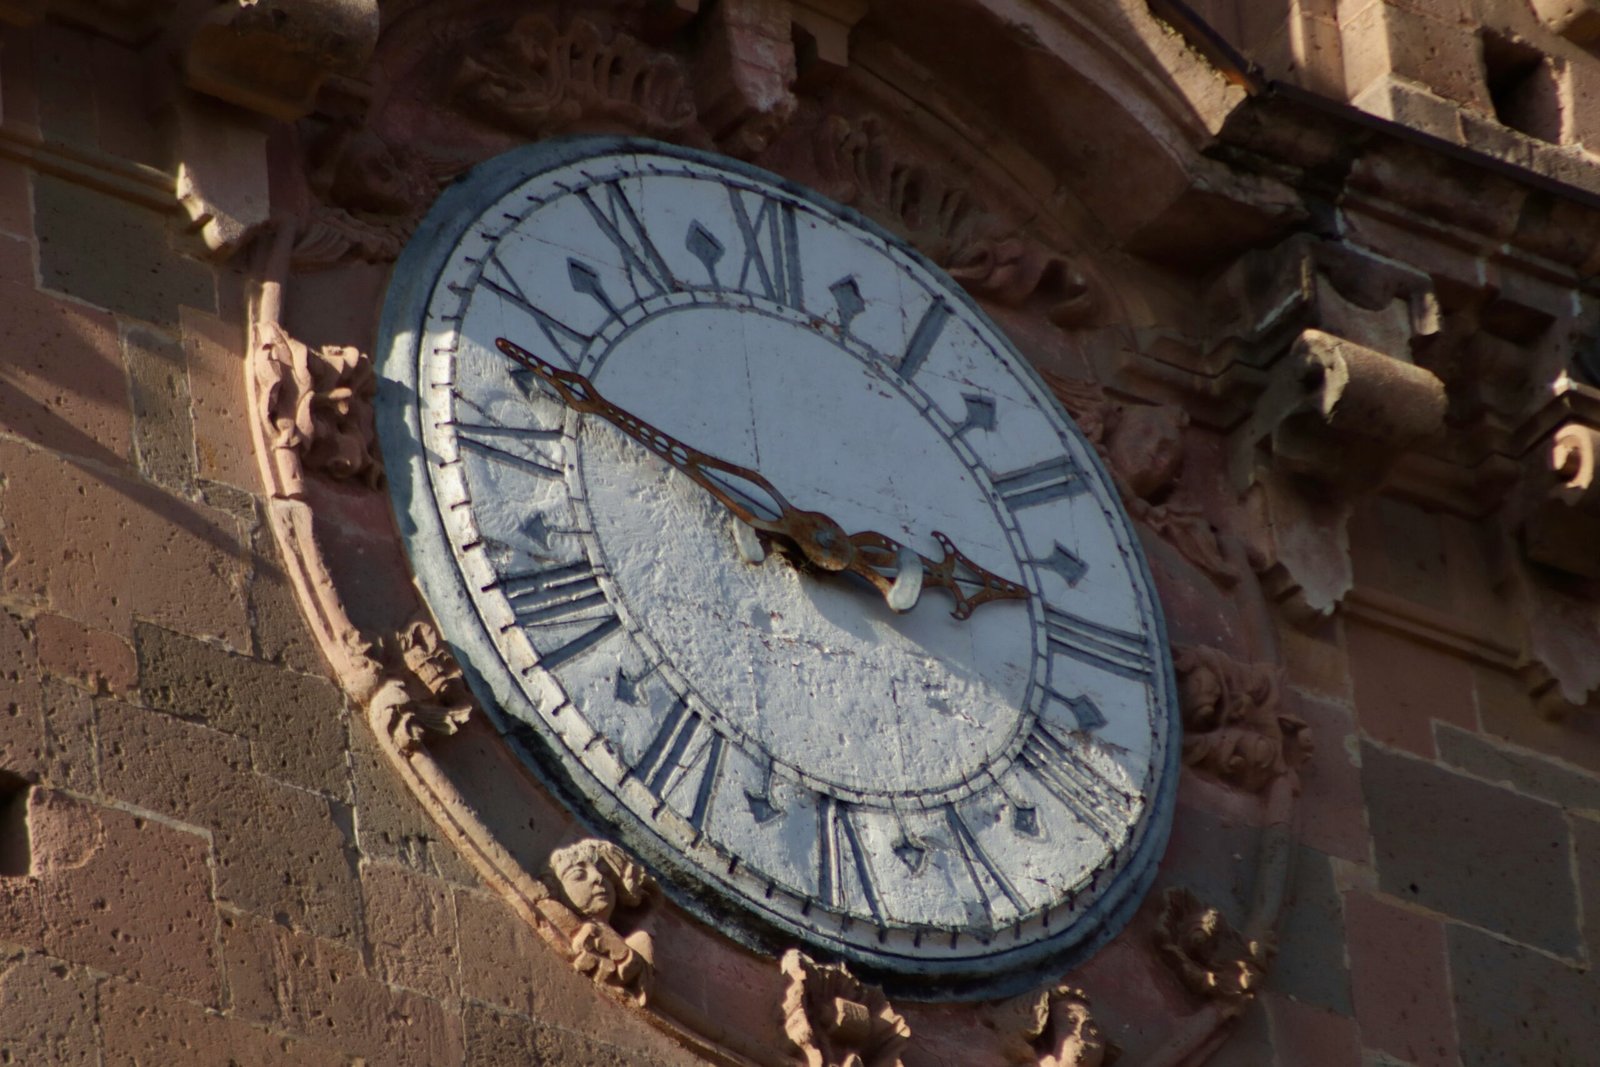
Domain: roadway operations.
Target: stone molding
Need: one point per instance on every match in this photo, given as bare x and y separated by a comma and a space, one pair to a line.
271, 56
537, 80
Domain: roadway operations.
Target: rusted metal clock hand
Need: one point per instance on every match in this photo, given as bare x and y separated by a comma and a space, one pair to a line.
896, 571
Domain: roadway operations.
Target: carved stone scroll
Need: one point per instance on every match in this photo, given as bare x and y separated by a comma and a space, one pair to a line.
1234, 728
835, 1020
601, 893
317, 405
859, 166
1210, 957
538, 80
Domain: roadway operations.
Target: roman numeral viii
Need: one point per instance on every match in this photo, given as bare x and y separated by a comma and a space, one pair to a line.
564, 596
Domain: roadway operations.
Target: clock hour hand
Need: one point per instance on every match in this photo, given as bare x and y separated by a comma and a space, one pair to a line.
896, 571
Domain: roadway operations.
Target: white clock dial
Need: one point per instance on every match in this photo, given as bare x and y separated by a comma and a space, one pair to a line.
965, 800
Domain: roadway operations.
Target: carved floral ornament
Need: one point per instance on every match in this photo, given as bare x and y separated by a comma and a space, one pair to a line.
593, 903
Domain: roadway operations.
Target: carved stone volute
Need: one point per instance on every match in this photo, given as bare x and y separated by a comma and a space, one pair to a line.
835, 1020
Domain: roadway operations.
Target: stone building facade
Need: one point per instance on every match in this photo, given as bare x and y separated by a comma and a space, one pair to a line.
1316, 277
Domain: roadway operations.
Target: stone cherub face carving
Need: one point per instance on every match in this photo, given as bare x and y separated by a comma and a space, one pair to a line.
596, 877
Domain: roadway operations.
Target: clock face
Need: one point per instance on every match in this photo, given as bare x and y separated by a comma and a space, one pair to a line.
961, 803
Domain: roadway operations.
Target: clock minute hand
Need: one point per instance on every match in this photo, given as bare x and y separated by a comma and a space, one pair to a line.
889, 566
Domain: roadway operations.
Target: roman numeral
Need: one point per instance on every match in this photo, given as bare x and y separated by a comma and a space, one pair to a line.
1117, 651
840, 851
561, 595
923, 338
672, 753
490, 442
986, 877
620, 224
772, 247
1054, 763
1040, 483
565, 342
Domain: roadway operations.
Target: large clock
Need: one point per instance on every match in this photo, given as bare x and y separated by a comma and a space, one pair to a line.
773, 558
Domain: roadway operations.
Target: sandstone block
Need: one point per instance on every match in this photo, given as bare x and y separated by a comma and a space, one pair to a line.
215, 351
494, 1039
97, 660
1524, 771
1308, 1036
22, 740
285, 853
1401, 980
1441, 54
69, 737
1517, 1006
390, 824
1401, 687
295, 723
114, 254
163, 435
1331, 806
142, 1027
1471, 850
411, 928
161, 763
267, 965
50, 1011
64, 386
1310, 965
100, 549
125, 894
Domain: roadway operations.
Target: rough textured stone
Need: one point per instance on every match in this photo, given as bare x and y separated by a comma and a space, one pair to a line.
295, 723
390, 824
66, 111
163, 434
411, 928
1586, 840
22, 740
1474, 851
69, 737
276, 622
1330, 817
285, 853
62, 384
1401, 980
50, 1011
14, 196
1518, 1008
96, 659
1310, 965
143, 1028
1307, 1036
155, 761
498, 1040
1402, 686
125, 894
113, 254
1522, 770
215, 350
94, 547
1507, 712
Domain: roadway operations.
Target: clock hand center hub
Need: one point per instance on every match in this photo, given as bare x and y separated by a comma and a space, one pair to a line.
821, 540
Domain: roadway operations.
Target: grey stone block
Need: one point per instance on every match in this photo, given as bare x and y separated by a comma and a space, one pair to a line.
1478, 852
1518, 1008
1522, 770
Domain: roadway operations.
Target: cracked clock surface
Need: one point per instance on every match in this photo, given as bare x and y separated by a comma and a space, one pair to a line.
958, 805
